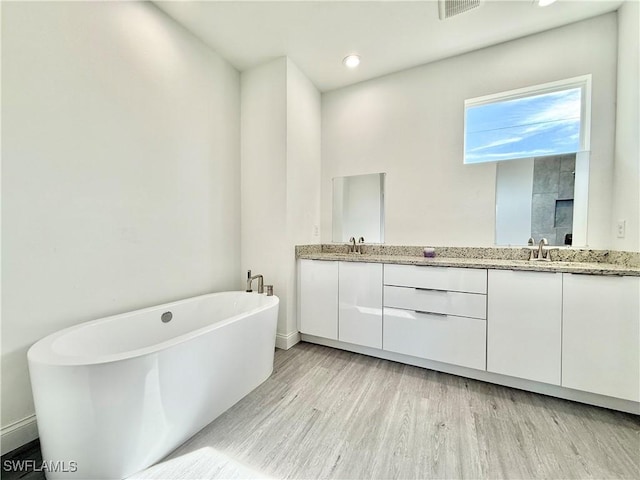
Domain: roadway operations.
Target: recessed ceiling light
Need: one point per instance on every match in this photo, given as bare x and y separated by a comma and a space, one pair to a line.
351, 61
545, 3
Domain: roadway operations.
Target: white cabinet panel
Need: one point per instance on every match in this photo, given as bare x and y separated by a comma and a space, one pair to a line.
443, 338
601, 335
438, 278
319, 298
436, 301
360, 299
524, 324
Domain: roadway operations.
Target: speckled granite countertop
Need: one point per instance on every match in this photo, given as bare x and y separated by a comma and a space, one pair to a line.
594, 262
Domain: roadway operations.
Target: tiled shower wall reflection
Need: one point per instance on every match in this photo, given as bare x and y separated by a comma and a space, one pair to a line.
552, 198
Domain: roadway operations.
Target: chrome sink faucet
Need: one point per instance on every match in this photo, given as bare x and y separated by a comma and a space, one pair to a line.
352, 245
356, 247
250, 279
543, 254
532, 250
540, 253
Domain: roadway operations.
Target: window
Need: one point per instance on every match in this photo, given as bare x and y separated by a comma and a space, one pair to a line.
549, 119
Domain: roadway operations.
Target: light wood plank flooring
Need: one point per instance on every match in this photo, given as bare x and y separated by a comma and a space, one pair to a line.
330, 414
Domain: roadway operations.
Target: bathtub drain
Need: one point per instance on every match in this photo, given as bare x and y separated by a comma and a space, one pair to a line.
166, 317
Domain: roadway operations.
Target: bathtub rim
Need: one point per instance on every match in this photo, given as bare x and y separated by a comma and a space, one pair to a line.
42, 353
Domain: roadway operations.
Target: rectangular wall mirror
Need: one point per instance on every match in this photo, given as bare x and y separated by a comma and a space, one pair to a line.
358, 208
542, 197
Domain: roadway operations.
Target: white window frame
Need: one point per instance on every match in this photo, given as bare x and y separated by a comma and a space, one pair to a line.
583, 82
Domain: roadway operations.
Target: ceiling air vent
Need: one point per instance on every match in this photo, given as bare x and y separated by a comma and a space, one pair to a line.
449, 8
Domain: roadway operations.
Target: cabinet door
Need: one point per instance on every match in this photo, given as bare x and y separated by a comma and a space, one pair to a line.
524, 324
601, 335
319, 298
360, 297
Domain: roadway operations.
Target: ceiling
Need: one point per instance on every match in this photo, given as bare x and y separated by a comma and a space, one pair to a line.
388, 35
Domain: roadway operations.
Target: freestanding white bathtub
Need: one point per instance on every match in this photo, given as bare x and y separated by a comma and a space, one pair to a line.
115, 395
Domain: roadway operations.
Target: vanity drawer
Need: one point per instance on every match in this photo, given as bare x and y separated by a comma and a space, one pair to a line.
436, 301
443, 338
439, 278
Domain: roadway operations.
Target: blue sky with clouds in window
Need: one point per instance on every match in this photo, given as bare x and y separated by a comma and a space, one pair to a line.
534, 126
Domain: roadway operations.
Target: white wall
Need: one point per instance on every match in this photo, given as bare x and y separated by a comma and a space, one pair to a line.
410, 125
626, 188
280, 111
120, 178
263, 171
303, 178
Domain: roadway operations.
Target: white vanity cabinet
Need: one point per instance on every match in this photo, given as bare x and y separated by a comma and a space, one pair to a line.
524, 324
360, 303
436, 313
342, 301
319, 298
601, 335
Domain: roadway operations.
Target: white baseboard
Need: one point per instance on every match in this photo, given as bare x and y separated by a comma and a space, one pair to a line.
285, 342
18, 433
